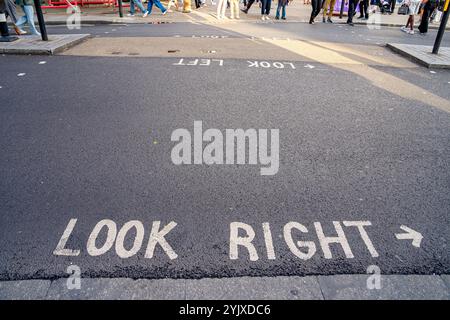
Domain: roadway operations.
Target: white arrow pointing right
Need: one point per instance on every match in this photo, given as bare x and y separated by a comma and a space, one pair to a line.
410, 234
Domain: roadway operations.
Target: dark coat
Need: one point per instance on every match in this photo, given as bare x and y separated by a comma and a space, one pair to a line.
24, 2
11, 10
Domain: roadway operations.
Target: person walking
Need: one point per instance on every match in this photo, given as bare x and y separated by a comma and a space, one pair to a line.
158, 4
364, 9
328, 8
351, 11
392, 7
265, 9
428, 7
221, 8
10, 11
172, 3
281, 7
316, 7
413, 7
186, 6
27, 8
234, 9
139, 4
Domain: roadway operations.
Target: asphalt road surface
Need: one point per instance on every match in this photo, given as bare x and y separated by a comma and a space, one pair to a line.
364, 154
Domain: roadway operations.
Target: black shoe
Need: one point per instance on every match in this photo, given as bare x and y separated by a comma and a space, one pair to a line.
329, 20
324, 21
277, 18
283, 18
350, 23
361, 17
244, 11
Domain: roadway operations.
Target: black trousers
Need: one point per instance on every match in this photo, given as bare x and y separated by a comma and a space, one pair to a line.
427, 11
316, 6
364, 8
351, 10
393, 5
250, 3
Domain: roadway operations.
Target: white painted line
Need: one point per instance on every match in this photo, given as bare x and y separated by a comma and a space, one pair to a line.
432, 71
42, 62
410, 234
21, 74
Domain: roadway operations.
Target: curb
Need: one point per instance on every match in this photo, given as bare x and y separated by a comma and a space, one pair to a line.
34, 46
335, 287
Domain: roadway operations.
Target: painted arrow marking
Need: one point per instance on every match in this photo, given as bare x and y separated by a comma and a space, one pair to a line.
309, 66
410, 234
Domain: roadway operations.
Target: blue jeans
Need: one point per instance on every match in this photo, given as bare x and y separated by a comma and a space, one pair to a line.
28, 17
138, 3
265, 7
156, 3
283, 11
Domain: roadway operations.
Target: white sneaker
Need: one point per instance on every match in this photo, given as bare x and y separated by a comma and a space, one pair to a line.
164, 13
267, 18
130, 15
263, 17
404, 29
145, 14
411, 32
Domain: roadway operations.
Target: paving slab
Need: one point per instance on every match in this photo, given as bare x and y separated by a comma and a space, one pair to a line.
90, 289
118, 289
24, 290
422, 54
392, 287
34, 44
260, 288
446, 279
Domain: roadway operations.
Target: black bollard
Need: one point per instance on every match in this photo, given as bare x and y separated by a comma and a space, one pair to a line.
440, 34
40, 16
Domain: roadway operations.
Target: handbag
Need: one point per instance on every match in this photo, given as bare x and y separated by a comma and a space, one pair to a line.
403, 9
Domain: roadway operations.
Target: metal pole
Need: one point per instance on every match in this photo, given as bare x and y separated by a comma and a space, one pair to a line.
440, 34
40, 16
120, 9
341, 13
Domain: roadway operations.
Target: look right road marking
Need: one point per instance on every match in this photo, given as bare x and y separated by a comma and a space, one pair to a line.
241, 239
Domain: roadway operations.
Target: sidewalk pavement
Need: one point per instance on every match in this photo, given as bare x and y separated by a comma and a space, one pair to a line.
335, 287
31, 44
422, 55
296, 12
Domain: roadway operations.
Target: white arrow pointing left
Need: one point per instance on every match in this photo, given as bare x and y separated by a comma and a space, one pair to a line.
410, 234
